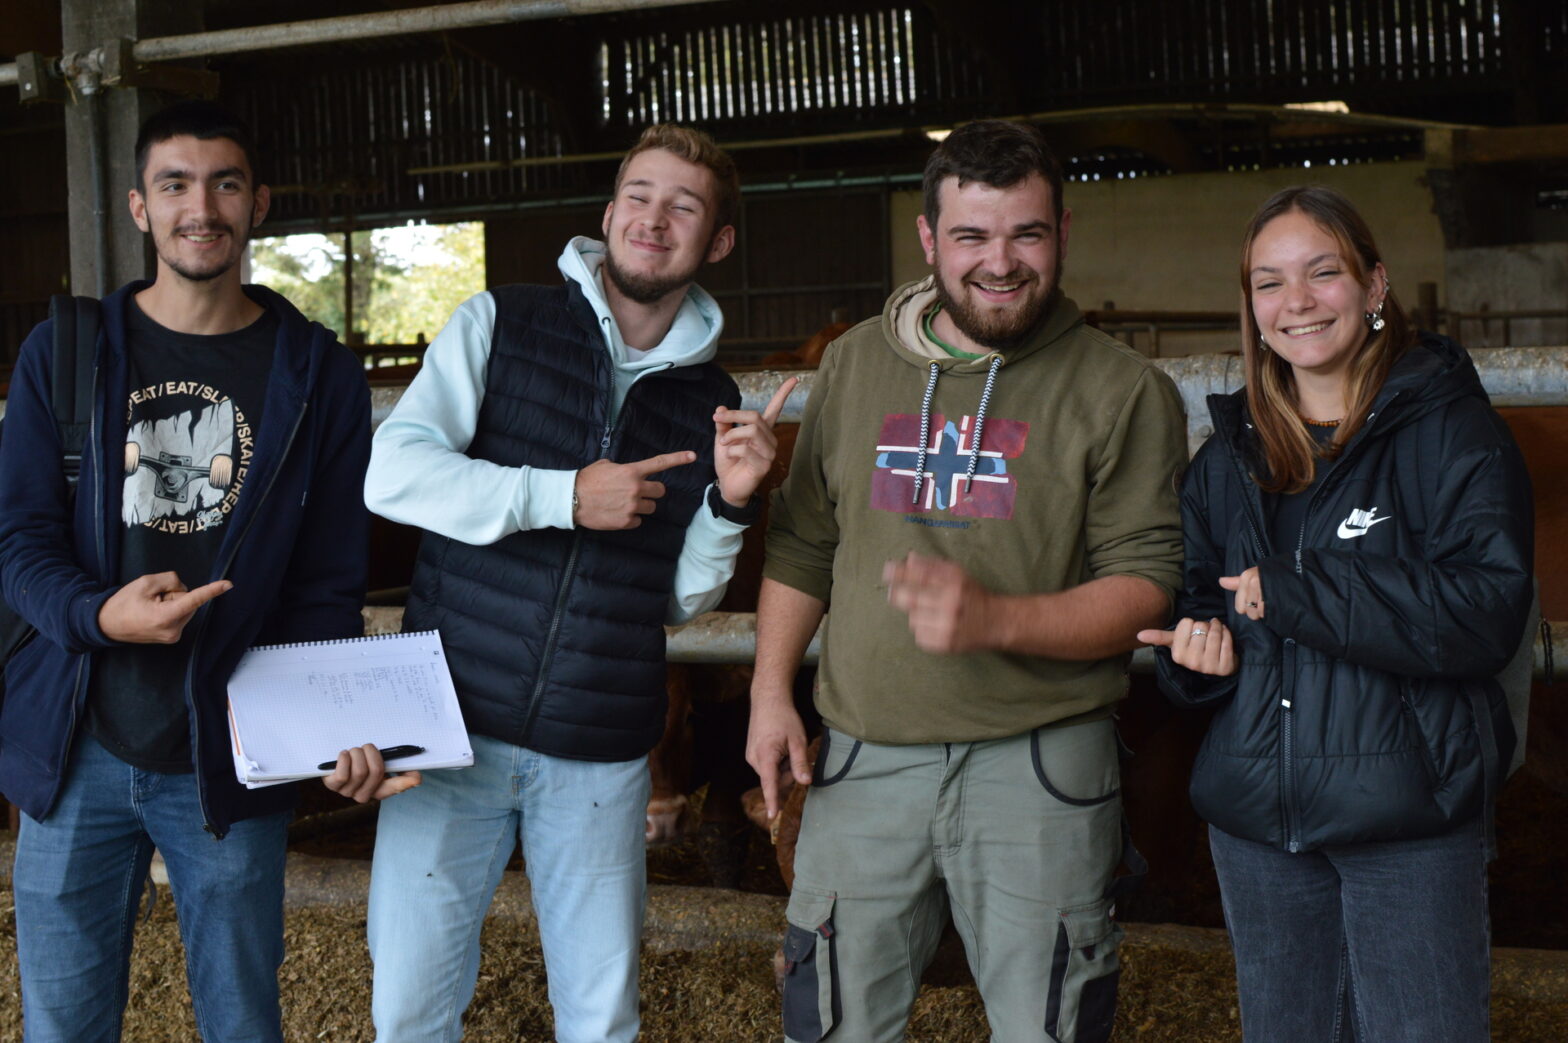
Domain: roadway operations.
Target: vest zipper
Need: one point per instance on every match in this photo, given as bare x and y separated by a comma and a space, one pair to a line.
201, 628
558, 612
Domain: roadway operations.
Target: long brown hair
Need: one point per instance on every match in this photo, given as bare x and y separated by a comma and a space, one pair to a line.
1290, 454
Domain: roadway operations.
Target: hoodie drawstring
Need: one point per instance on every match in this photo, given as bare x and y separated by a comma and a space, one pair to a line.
985, 400
925, 432
925, 426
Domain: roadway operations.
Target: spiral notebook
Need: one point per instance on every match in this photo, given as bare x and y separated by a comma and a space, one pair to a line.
293, 707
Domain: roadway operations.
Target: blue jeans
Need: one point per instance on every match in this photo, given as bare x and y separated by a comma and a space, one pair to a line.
80, 872
440, 851
1384, 941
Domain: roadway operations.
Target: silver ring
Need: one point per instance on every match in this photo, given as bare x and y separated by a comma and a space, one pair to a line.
1252, 604
1198, 632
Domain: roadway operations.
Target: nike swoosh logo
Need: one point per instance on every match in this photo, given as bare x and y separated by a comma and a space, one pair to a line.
1349, 532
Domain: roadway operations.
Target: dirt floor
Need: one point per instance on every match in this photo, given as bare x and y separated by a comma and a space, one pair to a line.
707, 971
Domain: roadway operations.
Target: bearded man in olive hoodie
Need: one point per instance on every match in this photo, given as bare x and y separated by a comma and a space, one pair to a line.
984, 491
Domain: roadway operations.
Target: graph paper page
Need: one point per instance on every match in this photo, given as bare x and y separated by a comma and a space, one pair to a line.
293, 707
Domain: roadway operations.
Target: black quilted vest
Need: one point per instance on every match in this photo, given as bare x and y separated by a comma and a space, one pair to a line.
555, 637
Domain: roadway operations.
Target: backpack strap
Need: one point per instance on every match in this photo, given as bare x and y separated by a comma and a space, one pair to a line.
76, 324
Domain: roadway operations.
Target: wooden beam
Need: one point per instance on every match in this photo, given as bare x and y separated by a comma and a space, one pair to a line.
1545, 143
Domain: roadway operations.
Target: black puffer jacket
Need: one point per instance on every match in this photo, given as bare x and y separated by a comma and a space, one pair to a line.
1352, 716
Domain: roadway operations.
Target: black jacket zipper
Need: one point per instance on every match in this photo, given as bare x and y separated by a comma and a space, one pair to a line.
1287, 746
1287, 720
190, 666
1252, 510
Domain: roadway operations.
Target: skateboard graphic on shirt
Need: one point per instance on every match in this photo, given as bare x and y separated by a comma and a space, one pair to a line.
174, 474
184, 469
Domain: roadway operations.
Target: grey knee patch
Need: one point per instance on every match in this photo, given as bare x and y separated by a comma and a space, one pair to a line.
811, 998
1085, 972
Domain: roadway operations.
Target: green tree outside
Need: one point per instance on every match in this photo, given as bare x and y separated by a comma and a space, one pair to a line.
407, 280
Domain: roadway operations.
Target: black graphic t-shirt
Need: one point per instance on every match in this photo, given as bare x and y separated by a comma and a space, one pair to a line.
192, 416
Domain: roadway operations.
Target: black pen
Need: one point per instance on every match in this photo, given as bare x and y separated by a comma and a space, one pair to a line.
390, 753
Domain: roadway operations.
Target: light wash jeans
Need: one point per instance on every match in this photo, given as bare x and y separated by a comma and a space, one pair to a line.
79, 876
440, 851
1383, 942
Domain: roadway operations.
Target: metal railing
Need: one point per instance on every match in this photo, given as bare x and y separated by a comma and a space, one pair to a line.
731, 637
441, 18
1512, 376
1129, 325
1455, 322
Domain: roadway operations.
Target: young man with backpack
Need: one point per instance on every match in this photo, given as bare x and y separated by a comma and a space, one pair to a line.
218, 508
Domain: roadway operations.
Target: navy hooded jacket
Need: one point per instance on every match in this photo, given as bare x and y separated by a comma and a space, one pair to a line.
1353, 712
295, 549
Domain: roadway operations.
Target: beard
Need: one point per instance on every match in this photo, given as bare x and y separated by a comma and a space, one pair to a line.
999, 328
215, 267
645, 289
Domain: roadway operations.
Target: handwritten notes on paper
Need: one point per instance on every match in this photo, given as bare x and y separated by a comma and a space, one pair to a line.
292, 707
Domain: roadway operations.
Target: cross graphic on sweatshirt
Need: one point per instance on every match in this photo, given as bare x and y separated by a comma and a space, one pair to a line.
990, 495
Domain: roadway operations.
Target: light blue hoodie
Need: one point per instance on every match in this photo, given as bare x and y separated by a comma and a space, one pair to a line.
420, 473
693, 338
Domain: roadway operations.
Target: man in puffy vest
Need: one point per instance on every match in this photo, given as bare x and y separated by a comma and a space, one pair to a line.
583, 474
983, 490
217, 509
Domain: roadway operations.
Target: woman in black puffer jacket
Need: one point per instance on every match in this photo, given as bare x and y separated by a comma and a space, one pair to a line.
1359, 541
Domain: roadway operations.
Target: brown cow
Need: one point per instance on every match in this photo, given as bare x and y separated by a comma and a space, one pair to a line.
809, 354
1542, 434
705, 731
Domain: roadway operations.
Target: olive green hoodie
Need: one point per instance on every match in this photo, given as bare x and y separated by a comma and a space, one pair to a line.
1081, 446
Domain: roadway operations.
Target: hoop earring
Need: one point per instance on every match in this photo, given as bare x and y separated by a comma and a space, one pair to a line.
1375, 318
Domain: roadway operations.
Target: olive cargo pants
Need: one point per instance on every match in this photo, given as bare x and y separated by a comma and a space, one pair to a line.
1017, 838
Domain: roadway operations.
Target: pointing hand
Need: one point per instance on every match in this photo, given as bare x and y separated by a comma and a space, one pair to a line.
744, 445
153, 609
616, 496
1204, 647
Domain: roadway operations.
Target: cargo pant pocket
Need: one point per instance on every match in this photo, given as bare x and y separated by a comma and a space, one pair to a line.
1078, 765
1085, 971
834, 758
811, 999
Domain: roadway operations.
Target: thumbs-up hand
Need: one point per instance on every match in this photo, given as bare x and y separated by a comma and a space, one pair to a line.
616, 496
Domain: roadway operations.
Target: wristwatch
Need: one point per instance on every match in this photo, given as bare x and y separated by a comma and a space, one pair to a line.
722, 508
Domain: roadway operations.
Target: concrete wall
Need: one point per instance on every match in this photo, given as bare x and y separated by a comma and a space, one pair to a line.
1174, 242
1522, 277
